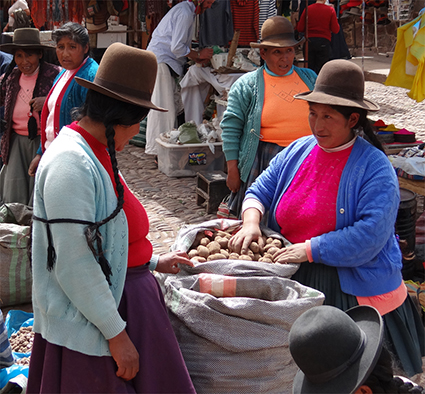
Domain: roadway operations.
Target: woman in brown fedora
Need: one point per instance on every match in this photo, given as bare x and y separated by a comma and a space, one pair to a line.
99, 316
24, 87
262, 117
335, 196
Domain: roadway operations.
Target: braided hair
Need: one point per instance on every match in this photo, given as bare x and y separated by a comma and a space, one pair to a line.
110, 112
363, 124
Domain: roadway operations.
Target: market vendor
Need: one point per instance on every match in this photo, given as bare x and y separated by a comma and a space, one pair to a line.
262, 117
171, 43
335, 196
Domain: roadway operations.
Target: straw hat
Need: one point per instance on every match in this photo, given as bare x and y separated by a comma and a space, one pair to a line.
127, 74
335, 350
277, 31
340, 82
25, 38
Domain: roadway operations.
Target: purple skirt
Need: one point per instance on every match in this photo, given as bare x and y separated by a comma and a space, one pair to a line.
56, 369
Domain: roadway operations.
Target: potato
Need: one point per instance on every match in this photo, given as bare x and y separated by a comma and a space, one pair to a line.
225, 253
277, 243
216, 256
203, 251
192, 253
245, 257
222, 241
197, 240
268, 256
204, 241
257, 256
269, 240
214, 247
255, 247
272, 250
233, 256
199, 259
224, 234
265, 260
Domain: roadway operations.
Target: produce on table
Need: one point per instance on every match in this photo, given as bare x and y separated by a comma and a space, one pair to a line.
21, 341
213, 245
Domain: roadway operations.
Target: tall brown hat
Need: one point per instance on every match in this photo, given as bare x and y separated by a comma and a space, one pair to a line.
340, 82
25, 38
127, 74
277, 31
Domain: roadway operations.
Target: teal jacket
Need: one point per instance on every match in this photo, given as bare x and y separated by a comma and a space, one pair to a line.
241, 122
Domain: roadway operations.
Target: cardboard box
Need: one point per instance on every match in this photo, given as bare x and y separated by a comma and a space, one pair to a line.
186, 160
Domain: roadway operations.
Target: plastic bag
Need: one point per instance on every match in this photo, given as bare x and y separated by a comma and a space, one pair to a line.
189, 133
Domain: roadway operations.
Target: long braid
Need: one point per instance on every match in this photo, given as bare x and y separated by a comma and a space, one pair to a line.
92, 232
368, 130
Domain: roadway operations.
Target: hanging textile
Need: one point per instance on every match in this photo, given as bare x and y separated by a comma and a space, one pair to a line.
245, 14
38, 13
408, 64
267, 10
216, 25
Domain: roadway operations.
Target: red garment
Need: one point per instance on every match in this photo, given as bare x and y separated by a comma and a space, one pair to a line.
139, 247
322, 21
245, 14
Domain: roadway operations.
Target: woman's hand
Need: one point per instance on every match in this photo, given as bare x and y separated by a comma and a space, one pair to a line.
206, 54
125, 355
168, 262
233, 181
296, 253
249, 232
37, 103
33, 165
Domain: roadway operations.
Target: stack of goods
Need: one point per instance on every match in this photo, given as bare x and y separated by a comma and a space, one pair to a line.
404, 135
386, 136
389, 134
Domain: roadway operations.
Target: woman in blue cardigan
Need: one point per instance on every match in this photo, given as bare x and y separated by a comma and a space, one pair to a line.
335, 197
72, 50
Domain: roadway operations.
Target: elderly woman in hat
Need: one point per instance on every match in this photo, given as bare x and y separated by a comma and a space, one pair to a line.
335, 196
100, 321
24, 87
262, 117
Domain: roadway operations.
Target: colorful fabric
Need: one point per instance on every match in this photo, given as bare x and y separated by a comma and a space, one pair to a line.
245, 14
408, 64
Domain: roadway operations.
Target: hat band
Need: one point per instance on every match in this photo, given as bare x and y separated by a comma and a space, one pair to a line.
333, 373
26, 42
283, 36
339, 92
121, 89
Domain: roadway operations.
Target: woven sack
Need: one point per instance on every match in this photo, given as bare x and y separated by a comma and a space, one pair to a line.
15, 270
232, 318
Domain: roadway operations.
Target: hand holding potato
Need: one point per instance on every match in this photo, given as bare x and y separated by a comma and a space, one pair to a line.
168, 262
296, 253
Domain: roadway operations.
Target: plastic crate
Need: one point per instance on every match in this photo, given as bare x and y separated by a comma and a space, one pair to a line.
186, 160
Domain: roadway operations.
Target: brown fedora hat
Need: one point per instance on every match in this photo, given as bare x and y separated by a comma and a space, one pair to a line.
127, 74
277, 31
25, 38
340, 82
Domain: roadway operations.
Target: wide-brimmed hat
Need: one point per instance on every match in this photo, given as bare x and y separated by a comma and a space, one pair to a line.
335, 350
277, 31
25, 38
340, 82
127, 74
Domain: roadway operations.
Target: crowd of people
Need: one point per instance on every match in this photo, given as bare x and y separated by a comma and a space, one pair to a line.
302, 159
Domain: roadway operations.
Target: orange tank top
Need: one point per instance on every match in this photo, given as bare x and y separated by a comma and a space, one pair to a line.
284, 119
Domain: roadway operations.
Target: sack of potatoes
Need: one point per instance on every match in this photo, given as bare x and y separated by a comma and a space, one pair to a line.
213, 245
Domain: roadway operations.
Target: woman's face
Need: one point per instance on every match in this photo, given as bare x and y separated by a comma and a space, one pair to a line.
123, 134
278, 60
70, 54
330, 127
27, 62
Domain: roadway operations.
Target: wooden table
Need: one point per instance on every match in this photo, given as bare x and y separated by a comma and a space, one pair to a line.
415, 186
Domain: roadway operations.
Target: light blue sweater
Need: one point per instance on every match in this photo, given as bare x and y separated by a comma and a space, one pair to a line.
241, 122
363, 246
73, 304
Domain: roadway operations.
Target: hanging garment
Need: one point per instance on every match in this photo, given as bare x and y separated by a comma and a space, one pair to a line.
408, 64
267, 10
216, 25
245, 15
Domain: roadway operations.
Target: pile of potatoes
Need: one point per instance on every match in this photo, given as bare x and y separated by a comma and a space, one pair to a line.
22, 340
213, 245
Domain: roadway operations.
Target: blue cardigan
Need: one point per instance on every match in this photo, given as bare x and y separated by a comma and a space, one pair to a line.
241, 122
363, 246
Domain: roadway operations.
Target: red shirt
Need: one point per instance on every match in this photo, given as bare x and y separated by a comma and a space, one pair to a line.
322, 21
139, 247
